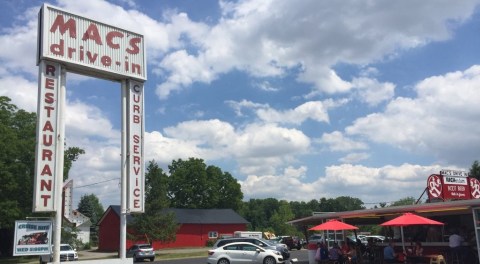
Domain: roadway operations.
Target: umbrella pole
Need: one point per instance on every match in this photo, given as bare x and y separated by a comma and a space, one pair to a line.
403, 244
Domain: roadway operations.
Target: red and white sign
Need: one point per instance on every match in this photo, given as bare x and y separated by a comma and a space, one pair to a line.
474, 188
90, 47
47, 135
452, 187
455, 188
434, 184
136, 178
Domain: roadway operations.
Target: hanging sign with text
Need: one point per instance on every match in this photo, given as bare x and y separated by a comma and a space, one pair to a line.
135, 131
89, 47
32, 238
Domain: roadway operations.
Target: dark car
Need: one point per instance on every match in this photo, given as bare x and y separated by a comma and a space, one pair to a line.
257, 241
291, 242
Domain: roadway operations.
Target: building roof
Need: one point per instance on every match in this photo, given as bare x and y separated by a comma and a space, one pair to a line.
380, 215
207, 216
193, 216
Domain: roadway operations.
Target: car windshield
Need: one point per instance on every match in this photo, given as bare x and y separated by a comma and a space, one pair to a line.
145, 246
65, 248
268, 243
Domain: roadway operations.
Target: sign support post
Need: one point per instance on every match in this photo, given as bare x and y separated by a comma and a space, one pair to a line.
123, 202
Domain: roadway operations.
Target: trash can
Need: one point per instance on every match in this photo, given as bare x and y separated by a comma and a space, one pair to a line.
312, 250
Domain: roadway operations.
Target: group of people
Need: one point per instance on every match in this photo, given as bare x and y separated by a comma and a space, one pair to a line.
390, 256
346, 253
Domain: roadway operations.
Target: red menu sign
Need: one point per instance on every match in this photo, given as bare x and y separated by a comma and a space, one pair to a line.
452, 185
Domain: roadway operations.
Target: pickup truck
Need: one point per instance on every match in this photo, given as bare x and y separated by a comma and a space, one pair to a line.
67, 253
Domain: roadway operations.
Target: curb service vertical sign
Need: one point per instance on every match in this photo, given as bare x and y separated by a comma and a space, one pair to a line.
136, 183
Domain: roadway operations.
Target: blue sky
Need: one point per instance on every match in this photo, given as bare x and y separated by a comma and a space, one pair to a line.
298, 100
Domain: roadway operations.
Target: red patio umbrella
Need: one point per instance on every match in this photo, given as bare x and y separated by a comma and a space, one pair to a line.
408, 219
334, 225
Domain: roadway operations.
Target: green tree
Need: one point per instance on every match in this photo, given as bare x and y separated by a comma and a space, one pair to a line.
279, 218
91, 207
404, 201
17, 162
475, 170
71, 155
194, 185
155, 224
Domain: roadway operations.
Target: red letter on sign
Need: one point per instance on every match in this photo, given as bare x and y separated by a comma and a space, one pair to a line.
110, 36
60, 23
134, 45
92, 33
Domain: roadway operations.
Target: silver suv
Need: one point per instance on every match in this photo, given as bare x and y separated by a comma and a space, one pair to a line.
141, 252
282, 248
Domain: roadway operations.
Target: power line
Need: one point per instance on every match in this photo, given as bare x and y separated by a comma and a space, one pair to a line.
76, 187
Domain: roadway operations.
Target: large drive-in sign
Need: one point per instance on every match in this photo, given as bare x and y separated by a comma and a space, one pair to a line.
32, 238
71, 43
86, 44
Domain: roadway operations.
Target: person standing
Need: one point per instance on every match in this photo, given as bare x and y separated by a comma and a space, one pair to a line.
455, 243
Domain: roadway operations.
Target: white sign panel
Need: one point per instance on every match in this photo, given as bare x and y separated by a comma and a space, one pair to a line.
47, 134
454, 173
455, 180
135, 127
32, 238
90, 47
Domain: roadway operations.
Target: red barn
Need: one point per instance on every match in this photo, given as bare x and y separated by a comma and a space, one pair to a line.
197, 226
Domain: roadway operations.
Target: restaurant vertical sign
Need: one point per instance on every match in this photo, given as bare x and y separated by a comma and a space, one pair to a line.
47, 137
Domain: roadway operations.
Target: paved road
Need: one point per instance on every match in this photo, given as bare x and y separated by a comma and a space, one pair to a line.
301, 255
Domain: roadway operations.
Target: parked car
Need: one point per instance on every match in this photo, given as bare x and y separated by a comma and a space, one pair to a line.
282, 248
291, 242
141, 252
314, 239
243, 252
67, 253
375, 239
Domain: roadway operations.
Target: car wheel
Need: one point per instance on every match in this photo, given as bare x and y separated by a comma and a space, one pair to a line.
135, 258
223, 261
269, 260
152, 259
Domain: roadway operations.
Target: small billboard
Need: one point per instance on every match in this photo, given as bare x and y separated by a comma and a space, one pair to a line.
32, 238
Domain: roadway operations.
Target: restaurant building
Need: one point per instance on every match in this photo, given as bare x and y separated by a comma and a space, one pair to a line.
452, 200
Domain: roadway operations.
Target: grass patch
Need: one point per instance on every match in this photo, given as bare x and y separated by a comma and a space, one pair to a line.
180, 255
22, 259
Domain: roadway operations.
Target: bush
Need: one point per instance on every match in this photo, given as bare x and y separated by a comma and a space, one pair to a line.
211, 242
87, 246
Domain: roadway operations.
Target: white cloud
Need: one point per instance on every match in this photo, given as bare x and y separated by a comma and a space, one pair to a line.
373, 92
338, 142
438, 121
383, 184
256, 148
259, 37
20, 91
354, 157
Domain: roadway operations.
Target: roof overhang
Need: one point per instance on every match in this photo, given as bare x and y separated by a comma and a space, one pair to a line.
379, 215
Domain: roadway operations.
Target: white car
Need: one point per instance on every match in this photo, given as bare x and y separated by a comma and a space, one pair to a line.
243, 252
67, 253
